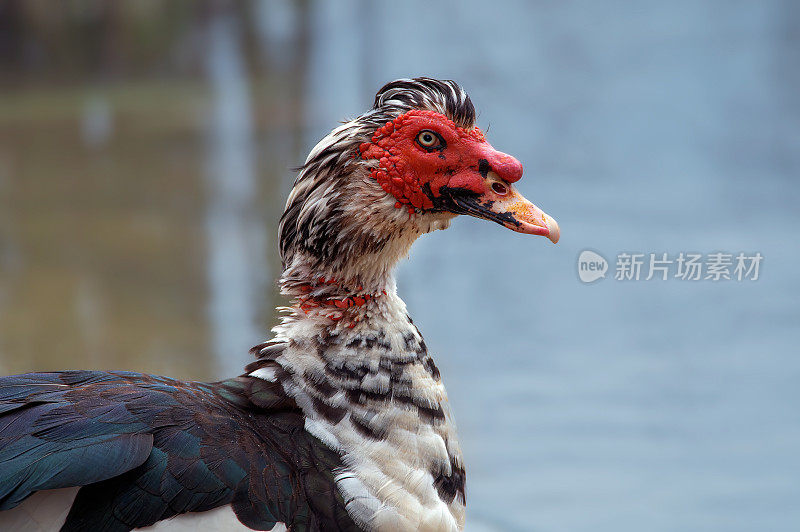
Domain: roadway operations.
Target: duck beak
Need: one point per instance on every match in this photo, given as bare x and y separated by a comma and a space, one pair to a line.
502, 203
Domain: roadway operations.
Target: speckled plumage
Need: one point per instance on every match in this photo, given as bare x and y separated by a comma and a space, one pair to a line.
373, 393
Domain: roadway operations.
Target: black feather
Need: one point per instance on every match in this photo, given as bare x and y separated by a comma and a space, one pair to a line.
146, 448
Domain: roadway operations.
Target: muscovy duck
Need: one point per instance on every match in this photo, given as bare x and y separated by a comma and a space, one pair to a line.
342, 421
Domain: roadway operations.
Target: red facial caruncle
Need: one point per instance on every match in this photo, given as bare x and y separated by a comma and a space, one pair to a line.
406, 165
427, 162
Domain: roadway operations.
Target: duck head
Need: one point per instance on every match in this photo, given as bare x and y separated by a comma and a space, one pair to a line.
406, 167
429, 164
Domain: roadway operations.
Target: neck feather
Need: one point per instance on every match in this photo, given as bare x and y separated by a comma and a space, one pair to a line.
345, 254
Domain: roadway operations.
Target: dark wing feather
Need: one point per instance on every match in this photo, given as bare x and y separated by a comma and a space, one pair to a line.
44, 443
146, 448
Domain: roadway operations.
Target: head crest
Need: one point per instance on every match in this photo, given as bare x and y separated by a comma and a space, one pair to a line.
443, 96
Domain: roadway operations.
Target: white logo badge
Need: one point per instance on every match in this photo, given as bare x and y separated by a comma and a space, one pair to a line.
591, 266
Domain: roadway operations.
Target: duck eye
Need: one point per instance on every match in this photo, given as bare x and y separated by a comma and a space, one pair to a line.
430, 140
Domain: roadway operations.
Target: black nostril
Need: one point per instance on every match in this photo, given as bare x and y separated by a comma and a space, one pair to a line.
499, 188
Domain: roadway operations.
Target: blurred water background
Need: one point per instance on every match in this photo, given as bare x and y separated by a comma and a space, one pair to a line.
145, 154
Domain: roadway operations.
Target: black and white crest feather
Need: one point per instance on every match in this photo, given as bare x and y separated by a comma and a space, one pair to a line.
442, 96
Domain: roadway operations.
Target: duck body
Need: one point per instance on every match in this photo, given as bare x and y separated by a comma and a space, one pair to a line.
342, 421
